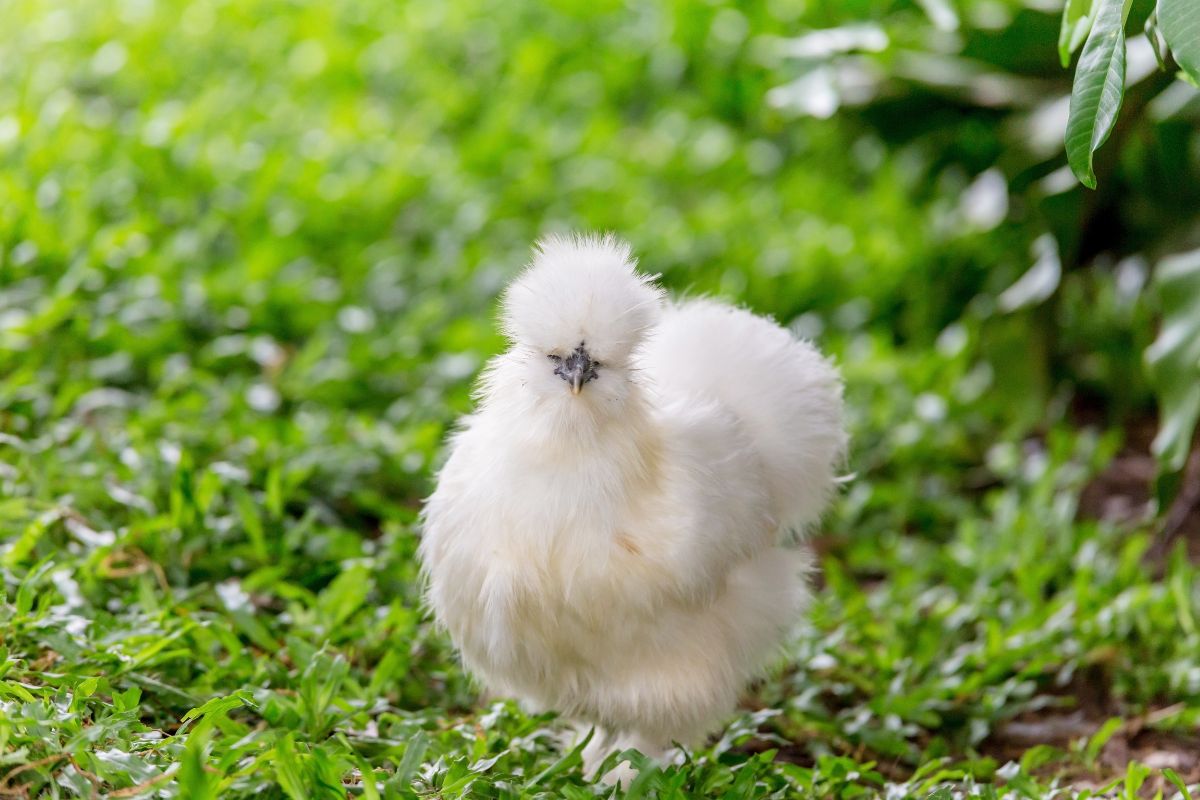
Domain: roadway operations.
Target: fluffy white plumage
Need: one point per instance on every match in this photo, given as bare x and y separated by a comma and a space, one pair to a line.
610, 535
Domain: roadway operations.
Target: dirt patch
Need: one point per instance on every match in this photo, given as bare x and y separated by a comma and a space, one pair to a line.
1123, 493
1136, 740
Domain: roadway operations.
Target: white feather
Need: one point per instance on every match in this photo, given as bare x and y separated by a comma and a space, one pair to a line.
621, 555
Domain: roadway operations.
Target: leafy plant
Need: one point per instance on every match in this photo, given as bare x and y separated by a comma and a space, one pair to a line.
908, 77
1100, 75
1099, 86
1174, 357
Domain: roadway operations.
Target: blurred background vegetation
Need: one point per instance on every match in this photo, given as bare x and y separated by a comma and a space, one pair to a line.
249, 254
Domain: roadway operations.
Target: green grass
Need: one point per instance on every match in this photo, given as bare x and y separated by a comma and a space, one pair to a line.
248, 257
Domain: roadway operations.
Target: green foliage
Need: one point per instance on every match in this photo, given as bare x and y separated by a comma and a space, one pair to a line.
1076, 24
1100, 75
248, 255
1099, 87
1071, 318
1174, 357
1180, 25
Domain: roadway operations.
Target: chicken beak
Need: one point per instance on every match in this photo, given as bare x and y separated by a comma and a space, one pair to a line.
576, 369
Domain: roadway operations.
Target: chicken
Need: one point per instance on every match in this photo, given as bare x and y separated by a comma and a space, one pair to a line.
611, 536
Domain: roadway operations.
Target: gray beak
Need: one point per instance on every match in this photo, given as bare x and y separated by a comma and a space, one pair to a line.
577, 369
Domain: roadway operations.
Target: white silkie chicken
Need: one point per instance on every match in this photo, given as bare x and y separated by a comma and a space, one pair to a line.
609, 537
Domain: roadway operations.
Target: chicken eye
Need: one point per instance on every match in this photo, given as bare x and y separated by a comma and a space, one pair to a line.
554, 358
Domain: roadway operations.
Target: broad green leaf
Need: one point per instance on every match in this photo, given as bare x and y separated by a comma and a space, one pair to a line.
287, 769
649, 775
319, 685
23, 546
1178, 782
1179, 22
14, 689
147, 654
249, 625
1135, 776
1038, 756
128, 699
28, 591
1174, 358
325, 775
1076, 22
386, 670
1155, 37
370, 784
251, 523
1098, 89
85, 689
195, 782
345, 594
1039, 281
571, 759
413, 753
1100, 738
220, 705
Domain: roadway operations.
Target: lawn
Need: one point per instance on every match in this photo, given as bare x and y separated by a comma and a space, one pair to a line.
249, 257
